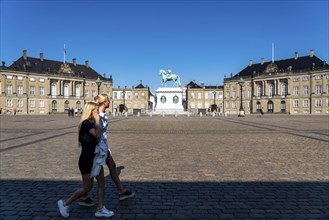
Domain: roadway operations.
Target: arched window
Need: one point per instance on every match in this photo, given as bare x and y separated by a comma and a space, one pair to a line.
66, 90
66, 105
54, 106
284, 89
78, 105
259, 90
270, 106
271, 90
53, 90
77, 91
283, 106
258, 106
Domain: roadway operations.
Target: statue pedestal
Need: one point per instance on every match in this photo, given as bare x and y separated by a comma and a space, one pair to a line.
169, 101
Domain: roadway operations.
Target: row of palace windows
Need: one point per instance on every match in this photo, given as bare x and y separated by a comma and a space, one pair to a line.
127, 95
284, 92
318, 103
208, 95
41, 103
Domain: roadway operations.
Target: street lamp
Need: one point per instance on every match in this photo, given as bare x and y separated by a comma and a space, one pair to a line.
214, 105
99, 83
241, 111
124, 99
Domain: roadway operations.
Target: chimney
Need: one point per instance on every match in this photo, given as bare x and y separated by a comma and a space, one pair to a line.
3, 63
296, 55
74, 61
104, 75
262, 62
41, 57
231, 75
250, 62
87, 63
24, 54
140, 82
311, 53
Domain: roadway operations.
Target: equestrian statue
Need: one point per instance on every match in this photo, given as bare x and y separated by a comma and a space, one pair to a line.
168, 76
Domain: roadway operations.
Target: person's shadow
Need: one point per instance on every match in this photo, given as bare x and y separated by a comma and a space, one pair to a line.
118, 170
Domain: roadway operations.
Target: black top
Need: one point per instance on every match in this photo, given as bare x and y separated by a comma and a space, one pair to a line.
88, 142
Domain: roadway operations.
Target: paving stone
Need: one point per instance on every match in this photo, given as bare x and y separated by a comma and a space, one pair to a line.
273, 167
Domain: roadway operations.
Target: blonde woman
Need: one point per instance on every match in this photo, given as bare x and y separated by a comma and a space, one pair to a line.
104, 102
89, 133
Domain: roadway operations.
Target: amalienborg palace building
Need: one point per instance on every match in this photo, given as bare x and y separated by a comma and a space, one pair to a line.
297, 85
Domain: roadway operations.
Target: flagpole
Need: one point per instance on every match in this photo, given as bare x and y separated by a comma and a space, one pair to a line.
64, 53
272, 52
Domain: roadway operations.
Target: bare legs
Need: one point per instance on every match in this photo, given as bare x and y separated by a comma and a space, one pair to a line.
87, 185
112, 168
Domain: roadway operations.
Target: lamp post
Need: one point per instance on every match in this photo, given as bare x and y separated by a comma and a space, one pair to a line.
98, 83
214, 105
241, 111
124, 98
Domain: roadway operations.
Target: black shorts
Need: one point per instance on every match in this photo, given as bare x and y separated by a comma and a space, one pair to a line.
86, 161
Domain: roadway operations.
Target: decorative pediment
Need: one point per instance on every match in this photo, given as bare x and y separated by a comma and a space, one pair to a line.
65, 68
271, 68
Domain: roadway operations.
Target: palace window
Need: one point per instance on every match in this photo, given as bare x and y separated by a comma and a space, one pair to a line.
77, 91
305, 103
41, 91
86, 94
318, 89
32, 103
192, 95
9, 103
41, 103
93, 93
227, 95
220, 95
20, 90
115, 95
296, 79
19, 77
295, 90
271, 90
128, 94
42, 80
66, 90
305, 78
227, 104
305, 90
32, 90
9, 77
192, 105
259, 90
206, 95
32, 79
53, 90
136, 95
9, 89
295, 104
19, 103
284, 89
199, 95
318, 103
143, 95
318, 77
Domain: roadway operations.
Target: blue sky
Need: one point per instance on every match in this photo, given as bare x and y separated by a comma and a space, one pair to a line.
133, 40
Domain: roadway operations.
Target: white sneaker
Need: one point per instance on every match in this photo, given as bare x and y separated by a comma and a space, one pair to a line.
64, 210
104, 213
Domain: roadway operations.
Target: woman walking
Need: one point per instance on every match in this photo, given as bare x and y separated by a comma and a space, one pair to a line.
89, 133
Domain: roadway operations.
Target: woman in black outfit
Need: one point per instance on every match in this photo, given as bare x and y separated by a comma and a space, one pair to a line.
89, 133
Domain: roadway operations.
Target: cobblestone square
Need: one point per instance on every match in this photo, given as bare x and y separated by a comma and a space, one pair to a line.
269, 167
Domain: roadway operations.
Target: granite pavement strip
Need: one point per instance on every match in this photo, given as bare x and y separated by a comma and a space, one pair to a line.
269, 167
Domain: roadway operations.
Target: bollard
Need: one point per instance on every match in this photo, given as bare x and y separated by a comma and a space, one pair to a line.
213, 114
163, 114
188, 114
200, 114
126, 114
138, 114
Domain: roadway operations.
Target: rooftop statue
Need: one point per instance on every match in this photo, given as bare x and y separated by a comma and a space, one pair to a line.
169, 76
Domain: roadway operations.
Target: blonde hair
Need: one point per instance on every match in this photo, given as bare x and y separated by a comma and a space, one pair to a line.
99, 99
87, 112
